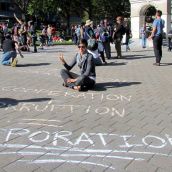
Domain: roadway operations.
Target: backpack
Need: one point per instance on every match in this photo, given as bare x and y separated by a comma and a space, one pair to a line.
88, 33
105, 36
92, 44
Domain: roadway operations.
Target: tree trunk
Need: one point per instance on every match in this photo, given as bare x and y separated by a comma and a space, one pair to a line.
68, 23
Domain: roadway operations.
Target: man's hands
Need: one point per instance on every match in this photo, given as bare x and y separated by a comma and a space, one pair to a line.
62, 59
69, 80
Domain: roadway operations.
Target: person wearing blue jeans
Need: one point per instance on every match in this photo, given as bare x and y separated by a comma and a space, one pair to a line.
10, 48
157, 36
6, 57
143, 35
144, 41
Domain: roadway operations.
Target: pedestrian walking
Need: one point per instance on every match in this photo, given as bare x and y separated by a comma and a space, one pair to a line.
88, 31
143, 34
119, 31
105, 37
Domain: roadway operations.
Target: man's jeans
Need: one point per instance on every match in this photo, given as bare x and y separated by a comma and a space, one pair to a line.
6, 57
50, 42
107, 49
157, 43
144, 41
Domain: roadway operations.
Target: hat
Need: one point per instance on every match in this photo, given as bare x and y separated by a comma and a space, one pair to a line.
88, 22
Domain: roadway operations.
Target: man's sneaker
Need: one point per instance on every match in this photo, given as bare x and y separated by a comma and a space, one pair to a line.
104, 63
14, 63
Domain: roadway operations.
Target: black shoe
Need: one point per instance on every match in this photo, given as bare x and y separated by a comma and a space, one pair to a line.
105, 63
156, 64
83, 88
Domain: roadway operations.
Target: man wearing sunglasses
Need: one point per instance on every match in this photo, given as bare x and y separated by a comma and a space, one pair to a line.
84, 60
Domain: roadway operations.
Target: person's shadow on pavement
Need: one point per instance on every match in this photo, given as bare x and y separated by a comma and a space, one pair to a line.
5, 102
165, 64
33, 64
105, 85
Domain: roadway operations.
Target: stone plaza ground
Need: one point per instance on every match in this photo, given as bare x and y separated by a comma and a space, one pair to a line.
124, 124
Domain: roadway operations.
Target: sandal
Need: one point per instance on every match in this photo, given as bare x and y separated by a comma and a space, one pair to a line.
64, 84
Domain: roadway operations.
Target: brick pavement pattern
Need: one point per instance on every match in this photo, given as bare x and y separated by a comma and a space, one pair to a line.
123, 125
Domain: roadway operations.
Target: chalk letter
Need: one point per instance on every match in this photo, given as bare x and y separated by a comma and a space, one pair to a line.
125, 98
128, 145
25, 106
154, 146
62, 137
112, 97
9, 88
54, 93
169, 139
15, 132
102, 138
37, 133
81, 95
83, 140
118, 113
69, 94
102, 110
44, 109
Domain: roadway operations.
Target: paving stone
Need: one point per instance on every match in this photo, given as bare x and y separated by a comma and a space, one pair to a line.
125, 123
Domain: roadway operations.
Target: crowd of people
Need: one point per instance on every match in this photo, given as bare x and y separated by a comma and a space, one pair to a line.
93, 43
104, 34
21, 37
88, 39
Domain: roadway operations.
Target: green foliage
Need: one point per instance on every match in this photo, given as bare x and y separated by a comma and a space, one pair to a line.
93, 9
22, 5
111, 8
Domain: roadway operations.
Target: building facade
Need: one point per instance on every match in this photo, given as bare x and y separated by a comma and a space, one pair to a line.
140, 9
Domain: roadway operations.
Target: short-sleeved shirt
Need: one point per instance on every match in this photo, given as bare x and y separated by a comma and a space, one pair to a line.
159, 25
8, 45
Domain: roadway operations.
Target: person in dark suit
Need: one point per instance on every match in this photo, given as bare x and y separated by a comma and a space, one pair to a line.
119, 31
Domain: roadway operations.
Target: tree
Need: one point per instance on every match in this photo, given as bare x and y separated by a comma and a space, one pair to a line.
110, 8
92, 9
22, 5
